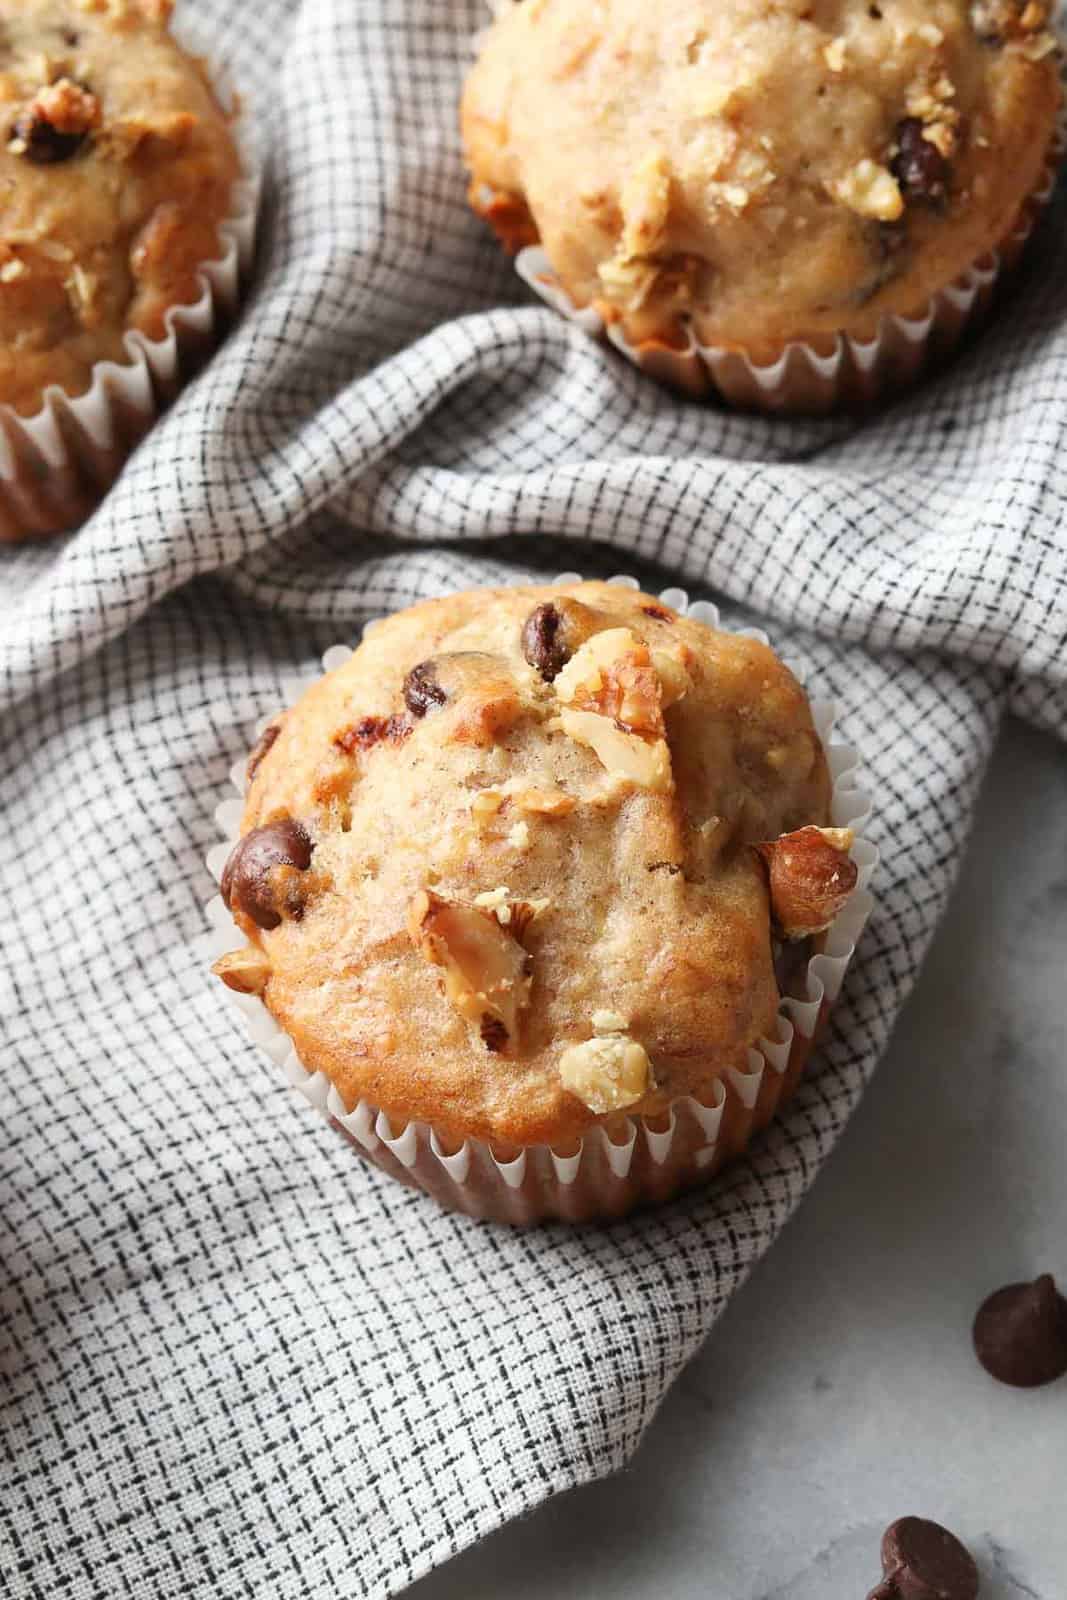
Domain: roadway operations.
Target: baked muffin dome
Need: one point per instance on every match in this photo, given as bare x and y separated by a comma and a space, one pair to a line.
117, 165
759, 173
497, 871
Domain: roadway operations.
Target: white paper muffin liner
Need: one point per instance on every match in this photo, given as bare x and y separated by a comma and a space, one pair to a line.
840, 373
56, 466
642, 1159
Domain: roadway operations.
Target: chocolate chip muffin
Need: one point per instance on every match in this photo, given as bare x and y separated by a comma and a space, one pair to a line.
746, 175
117, 165
523, 864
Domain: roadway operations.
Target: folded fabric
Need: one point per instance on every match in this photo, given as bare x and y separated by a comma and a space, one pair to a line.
235, 1359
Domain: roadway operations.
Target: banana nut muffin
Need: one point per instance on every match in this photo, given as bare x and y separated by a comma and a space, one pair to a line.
117, 165
522, 863
759, 172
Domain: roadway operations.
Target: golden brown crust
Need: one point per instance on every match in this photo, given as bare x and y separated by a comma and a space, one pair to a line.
760, 171
434, 770
117, 166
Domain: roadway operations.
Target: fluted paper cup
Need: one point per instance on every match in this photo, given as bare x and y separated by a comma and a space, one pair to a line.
57, 465
637, 1160
835, 373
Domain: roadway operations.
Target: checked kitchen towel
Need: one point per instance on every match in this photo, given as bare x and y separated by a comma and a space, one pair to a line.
235, 1361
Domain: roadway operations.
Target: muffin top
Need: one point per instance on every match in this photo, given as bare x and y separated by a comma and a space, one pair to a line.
761, 171
498, 873
116, 164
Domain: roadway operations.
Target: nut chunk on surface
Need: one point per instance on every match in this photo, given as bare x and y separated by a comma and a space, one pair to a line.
247, 971
607, 1073
810, 878
484, 965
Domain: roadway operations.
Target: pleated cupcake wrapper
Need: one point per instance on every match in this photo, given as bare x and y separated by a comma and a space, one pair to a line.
56, 465
640, 1160
840, 372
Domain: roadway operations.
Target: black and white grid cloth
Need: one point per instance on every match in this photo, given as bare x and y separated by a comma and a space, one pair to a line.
235, 1361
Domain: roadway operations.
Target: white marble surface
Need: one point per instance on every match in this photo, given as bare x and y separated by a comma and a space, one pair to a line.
839, 1390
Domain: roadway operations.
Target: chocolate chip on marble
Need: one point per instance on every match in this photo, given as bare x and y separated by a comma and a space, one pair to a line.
1020, 1333
262, 745
918, 166
258, 876
422, 692
923, 1561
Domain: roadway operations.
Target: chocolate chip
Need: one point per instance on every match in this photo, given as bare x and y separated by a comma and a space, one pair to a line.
918, 166
45, 144
369, 731
250, 879
923, 1561
1020, 1333
542, 641
71, 37
494, 1034
260, 748
660, 613
422, 692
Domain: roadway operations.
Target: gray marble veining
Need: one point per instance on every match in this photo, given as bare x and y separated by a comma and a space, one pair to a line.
839, 1390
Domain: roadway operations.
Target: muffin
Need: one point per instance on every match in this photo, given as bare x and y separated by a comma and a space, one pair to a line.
521, 875
734, 178
119, 169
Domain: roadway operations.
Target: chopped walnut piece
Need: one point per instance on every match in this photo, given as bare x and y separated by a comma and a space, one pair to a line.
612, 700
673, 674
483, 964
810, 877
245, 970
644, 202
607, 1073
486, 804
645, 762
612, 674
870, 190
544, 802
514, 914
